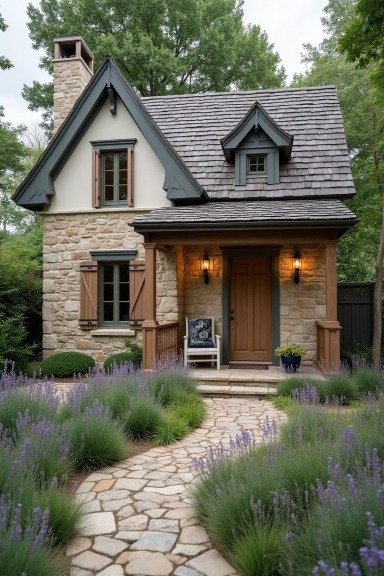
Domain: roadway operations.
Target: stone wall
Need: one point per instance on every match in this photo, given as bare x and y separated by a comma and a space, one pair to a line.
304, 303
70, 77
166, 286
203, 300
68, 238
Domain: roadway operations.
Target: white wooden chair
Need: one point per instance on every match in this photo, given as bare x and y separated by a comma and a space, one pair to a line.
200, 340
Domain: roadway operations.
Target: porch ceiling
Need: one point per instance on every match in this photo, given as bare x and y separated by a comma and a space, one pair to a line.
254, 215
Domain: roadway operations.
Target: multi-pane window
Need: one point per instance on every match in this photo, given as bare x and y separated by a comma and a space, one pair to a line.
257, 165
114, 177
114, 294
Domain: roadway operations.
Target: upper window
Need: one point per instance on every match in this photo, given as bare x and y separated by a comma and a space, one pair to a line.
114, 177
113, 173
256, 165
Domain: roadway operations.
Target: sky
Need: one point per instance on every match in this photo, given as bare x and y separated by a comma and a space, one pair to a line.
288, 24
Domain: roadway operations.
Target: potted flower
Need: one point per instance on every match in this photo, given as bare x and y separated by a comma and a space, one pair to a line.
290, 355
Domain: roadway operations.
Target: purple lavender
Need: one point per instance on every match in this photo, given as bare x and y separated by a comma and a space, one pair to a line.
306, 395
11, 527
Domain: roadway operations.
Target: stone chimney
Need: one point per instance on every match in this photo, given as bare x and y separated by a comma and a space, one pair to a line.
72, 70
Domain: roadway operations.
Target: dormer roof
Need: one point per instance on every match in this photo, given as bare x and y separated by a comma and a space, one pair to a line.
255, 119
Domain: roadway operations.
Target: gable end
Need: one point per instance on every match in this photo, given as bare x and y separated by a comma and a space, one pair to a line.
38, 188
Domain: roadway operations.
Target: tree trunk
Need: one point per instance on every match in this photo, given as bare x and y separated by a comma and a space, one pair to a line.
379, 271
377, 303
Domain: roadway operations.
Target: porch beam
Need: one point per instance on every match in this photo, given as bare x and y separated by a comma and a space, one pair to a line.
240, 238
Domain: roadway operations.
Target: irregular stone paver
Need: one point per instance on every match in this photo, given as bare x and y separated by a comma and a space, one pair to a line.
139, 517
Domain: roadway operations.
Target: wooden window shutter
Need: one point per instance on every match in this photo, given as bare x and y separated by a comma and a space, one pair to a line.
96, 178
136, 290
88, 295
130, 177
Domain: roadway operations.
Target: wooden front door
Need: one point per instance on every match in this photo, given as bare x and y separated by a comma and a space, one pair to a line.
250, 313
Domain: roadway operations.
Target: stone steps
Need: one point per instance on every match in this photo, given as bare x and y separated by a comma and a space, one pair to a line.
238, 389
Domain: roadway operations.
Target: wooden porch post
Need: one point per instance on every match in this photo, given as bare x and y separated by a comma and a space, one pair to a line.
329, 330
150, 323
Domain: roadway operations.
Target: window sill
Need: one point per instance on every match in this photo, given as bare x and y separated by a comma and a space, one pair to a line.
113, 332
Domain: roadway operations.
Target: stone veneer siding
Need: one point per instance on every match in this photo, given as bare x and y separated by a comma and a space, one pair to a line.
203, 300
301, 304
68, 238
181, 290
70, 78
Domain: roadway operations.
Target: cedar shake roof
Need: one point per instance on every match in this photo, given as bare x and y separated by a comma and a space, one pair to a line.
251, 214
319, 165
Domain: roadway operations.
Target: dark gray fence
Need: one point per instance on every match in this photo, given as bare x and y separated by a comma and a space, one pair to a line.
355, 313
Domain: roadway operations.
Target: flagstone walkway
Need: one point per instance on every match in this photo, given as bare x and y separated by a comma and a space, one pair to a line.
139, 520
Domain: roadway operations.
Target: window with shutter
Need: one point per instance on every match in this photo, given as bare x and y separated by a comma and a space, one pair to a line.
113, 173
111, 289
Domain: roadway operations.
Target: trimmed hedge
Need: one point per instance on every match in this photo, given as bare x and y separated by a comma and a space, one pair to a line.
66, 364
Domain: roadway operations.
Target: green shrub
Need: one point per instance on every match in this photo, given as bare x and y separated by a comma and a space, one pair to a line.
282, 402
286, 387
13, 345
135, 351
67, 364
96, 440
143, 419
257, 552
171, 386
338, 387
64, 515
191, 409
368, 381
171, 430
20, 402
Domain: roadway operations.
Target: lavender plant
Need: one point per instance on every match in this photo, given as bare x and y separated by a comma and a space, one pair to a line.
25, 548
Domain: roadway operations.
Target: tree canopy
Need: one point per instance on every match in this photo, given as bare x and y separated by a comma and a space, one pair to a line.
161, 46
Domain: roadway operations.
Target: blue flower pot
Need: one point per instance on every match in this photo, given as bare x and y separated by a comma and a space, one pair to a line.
291, 363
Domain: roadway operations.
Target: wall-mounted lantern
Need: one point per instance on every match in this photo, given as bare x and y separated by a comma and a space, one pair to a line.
205, 268
296, 265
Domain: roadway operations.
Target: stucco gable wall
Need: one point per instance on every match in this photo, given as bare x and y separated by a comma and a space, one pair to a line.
73, 185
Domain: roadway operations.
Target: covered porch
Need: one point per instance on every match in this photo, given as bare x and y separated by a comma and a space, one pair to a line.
305, 313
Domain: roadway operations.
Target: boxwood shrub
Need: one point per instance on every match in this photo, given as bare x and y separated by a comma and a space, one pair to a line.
66, 364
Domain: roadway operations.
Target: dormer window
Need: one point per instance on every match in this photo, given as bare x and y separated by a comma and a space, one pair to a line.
256, 146
256, 165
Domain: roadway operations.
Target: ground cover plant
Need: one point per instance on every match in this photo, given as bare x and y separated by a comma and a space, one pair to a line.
308, 502
43, 441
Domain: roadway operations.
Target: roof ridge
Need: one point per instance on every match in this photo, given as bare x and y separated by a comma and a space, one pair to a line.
243, 92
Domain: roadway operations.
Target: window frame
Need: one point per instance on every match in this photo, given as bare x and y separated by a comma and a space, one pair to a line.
116, 301
115, 147
115, 258
257, 173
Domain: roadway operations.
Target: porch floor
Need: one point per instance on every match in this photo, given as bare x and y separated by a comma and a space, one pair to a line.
245, 381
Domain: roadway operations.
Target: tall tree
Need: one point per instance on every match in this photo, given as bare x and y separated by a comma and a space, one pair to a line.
5, 63
363, 43
161, 46
363, 114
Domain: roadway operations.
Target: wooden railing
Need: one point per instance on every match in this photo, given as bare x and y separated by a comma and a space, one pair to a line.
328, 345
160, 342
